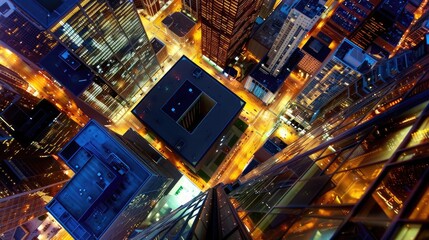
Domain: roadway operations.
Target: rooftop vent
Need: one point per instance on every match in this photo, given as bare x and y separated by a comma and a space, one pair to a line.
197, 73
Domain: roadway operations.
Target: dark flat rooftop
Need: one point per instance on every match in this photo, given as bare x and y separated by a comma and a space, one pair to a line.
267, 80
178, 23
316, 49
269, 30
68, 70
310, 8
155, 109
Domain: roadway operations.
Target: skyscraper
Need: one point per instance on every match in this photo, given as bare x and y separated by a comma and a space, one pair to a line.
26, 186
345, 66
39, 131
299, 21
114, 185
225, 25
149, 7
381, 75
263, 38
208, 216
384, 27
191, 8
267, 7
193, 114
360, 175
345, 19
315, 52
35, 127
23, 37
266, 86
98, 50
30, 176
417, 32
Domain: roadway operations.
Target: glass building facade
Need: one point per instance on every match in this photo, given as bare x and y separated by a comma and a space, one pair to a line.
105, 38
344, 67
14, 29
191, 8
378, 77
208, 216
30, 175
346, 17
109, 38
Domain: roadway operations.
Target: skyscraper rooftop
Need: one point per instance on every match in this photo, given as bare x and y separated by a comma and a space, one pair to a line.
188, 109
109, 178
310, 8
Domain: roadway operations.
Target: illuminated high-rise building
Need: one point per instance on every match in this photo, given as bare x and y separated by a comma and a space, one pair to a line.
149, 7
417, 32
23, 37
361, 175
191, 8
263, 38
267, 8
26, 186
346, 17
299, 21
113, 188
41, 130
31, 130
381, 31
98, 51
225, 26
345, 66
13, 90
208, 216
315, 52
380, 76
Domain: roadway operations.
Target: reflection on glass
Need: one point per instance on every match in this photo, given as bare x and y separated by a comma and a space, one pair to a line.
313, 228
412, 231
414, 153
421, 135
348, 187
364, 230
274, 226
324, 162
338, 161
329, 212
388, 198
421, 210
